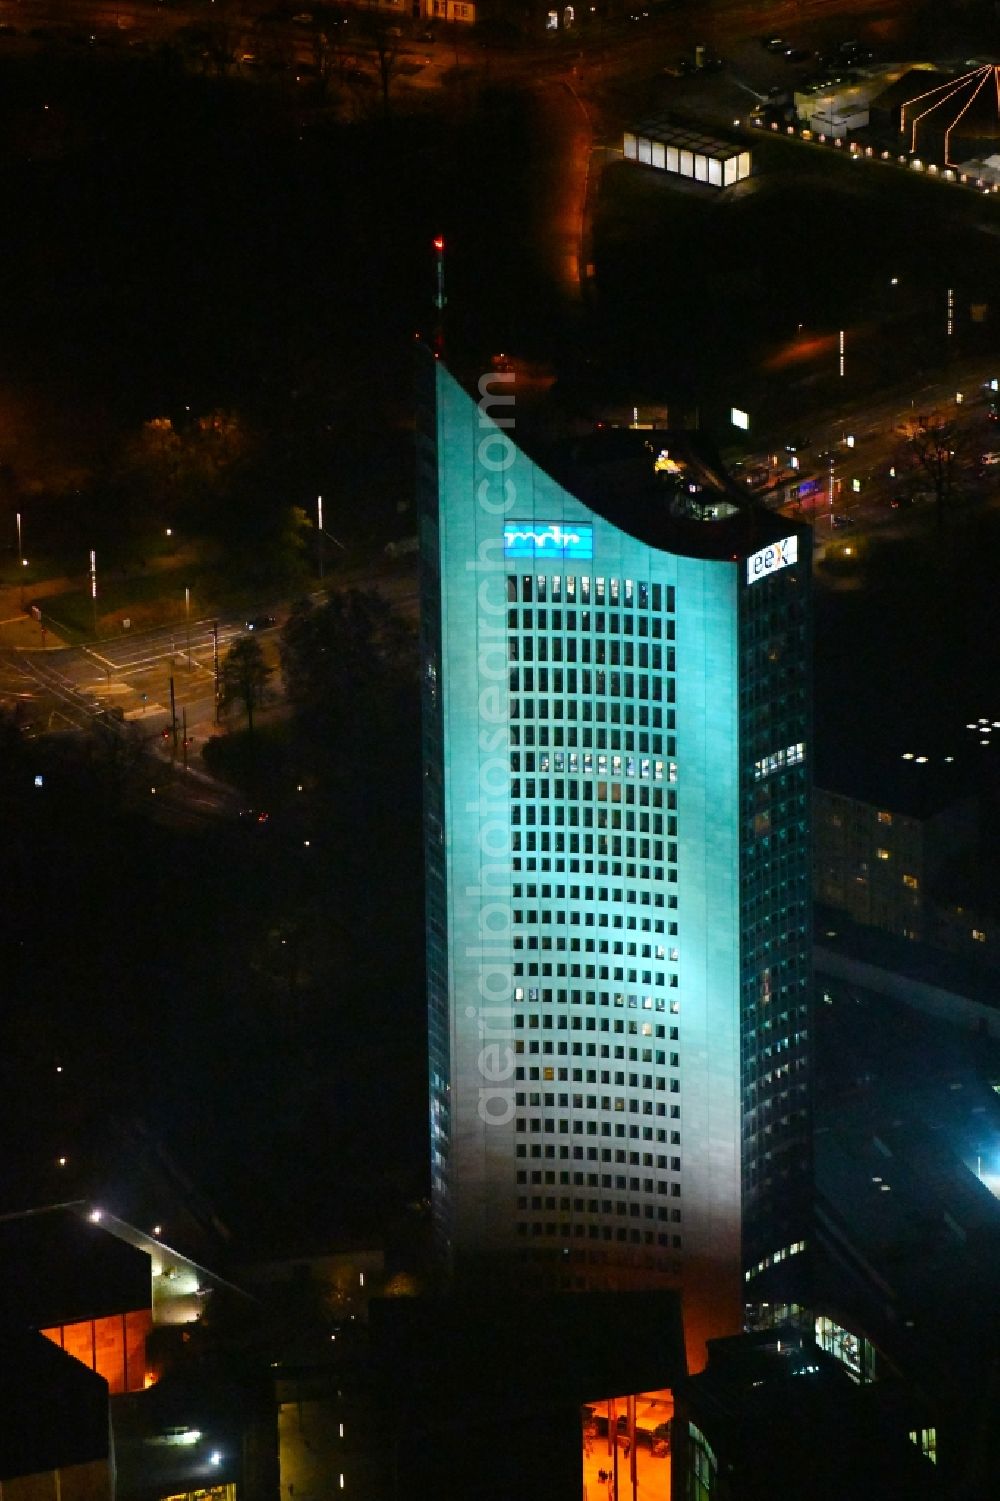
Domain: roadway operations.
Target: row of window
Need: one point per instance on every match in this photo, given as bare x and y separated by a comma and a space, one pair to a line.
592, 681
616, 998
563, 815
584, 1024
531, 1125
604, 845
594, 1076
587, 867
589, 1180
631, 594
614, 973
601, 894
591, 919
611, 653
586, 1206
562, 970
633, 768
575, 621
546, 1125
775, 1259
641, 714
560, 944
607, 1180
549, 1151
597, 685
598, 1232
791, 755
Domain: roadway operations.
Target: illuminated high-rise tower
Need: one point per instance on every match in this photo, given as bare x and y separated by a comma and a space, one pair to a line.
616, 721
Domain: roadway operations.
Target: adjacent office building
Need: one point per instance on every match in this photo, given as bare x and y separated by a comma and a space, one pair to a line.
617, 764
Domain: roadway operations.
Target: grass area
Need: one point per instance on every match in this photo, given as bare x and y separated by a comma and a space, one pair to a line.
149, 600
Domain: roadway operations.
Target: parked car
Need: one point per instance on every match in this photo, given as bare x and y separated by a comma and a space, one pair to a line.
261, 623
841, 520
773, 43
901, 502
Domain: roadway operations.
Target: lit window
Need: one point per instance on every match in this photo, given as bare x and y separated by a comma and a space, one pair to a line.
885, 818
978, 935
911, 882
926, 1441
883, 854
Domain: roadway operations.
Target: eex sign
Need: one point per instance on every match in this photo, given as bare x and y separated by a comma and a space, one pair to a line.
548, 539
779, 555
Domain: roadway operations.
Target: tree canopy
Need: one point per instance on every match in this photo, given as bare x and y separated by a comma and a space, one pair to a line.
243, 676
348, 665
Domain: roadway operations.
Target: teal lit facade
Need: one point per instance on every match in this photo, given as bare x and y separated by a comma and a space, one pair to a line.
616, 813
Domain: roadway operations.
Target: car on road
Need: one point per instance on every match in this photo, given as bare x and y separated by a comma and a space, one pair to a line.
840, 521
989, 459
261, 623
796, 55
712, 64
773, 43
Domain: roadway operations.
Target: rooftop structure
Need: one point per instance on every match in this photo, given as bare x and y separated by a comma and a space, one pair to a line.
660, 141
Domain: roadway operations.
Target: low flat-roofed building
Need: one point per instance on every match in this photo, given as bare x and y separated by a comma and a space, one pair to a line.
685, 151
948, 986
834, 117
97, 1287
55, 1436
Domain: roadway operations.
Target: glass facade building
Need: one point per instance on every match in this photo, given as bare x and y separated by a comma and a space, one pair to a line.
616, 768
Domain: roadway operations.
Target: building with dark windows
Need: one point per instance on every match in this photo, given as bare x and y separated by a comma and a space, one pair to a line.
617, 721
772, 1415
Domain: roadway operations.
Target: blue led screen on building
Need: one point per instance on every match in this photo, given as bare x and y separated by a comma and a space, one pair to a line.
548, 539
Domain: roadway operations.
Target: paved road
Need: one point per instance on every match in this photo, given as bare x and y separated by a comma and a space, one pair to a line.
866, 445
131, 673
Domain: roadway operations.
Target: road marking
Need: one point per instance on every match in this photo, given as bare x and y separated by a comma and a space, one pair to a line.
104, 661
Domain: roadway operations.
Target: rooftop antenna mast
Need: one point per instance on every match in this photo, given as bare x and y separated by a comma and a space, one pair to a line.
439, 298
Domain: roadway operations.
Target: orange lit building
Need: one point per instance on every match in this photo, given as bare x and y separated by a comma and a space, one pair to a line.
98, 1288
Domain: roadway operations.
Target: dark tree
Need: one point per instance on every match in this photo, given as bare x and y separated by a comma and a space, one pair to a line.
350, 674
244, 676
378, 29
936, 449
